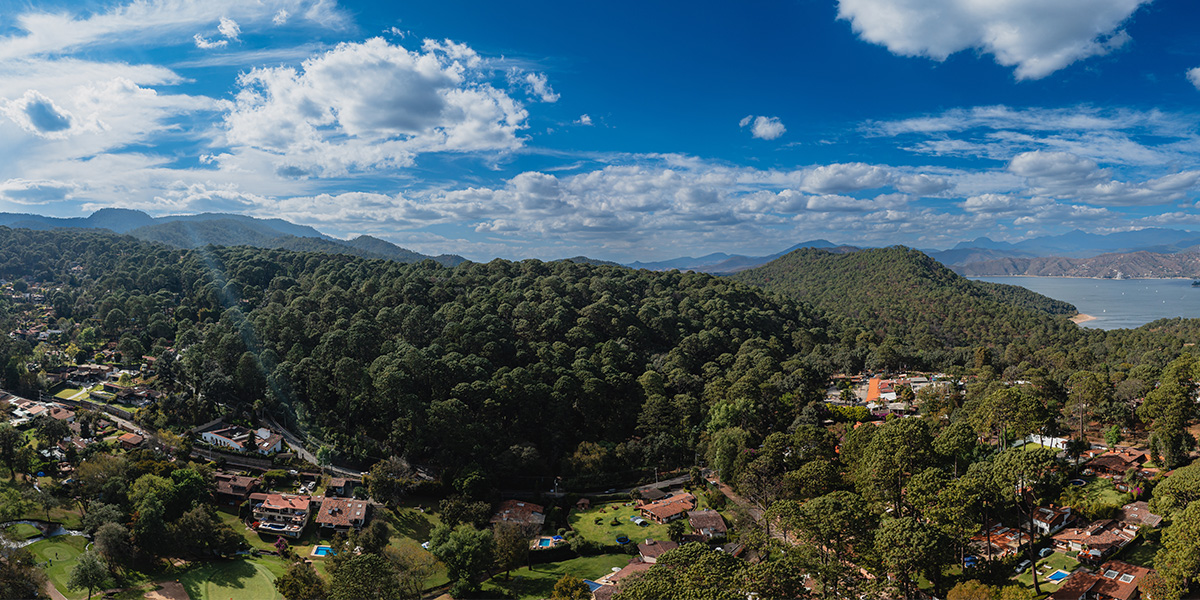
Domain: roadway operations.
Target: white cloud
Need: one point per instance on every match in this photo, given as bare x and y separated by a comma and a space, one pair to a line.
1193, 76
281, 17
1035, 36
847, 177
764, 128
229, 28
204, 43
373, 104
35, 192
42, 33
537, 85
1064, 175
39, 115
583, 120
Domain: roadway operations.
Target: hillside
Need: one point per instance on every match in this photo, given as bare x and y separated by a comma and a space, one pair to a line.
1133, 265
244, 231
906, 294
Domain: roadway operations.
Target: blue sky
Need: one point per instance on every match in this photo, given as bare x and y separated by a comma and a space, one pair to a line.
618, 130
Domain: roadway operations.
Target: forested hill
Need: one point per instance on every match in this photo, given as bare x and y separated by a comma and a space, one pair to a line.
261, 234
903, 293
512, 368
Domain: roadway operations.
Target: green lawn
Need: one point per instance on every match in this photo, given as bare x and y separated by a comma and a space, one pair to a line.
61, 552
411, 527
539, 583
605, 532
70, 515
21, 532
245, 579
1103, 490
1047, 566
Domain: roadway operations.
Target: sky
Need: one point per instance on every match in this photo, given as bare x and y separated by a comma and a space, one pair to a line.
617, 130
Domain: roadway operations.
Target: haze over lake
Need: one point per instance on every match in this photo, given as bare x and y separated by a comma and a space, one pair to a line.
1116, 303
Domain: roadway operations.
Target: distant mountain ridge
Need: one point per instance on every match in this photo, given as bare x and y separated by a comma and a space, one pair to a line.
220, 229
1109, 266
720, 263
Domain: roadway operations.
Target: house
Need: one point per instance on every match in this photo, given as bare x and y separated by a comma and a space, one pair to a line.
130, 440
341, 486
62, 414
1115, 463
1138, 513
1115, 580
1096, 541
583, 504
611, 584
1003, 541
234, 489
236, 437
526, 514
652, 549
283, 514
340, 514
670, 508
709, 524
1049, 520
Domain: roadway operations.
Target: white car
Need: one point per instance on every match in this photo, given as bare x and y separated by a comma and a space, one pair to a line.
1046, 552
1024, 565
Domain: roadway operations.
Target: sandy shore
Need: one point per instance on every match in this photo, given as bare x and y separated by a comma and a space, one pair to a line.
1082, 318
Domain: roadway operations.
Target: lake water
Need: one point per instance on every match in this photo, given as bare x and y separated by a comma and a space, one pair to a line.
1116, 303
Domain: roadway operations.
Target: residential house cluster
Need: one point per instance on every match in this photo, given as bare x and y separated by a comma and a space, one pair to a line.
242, 439
282, 514
25, 411
525, 514
1000, 541
1096, 541
1114, 580
1114, 464
126, 394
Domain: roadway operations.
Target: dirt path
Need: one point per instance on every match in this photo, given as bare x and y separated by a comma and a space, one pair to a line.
168, 590
53, 592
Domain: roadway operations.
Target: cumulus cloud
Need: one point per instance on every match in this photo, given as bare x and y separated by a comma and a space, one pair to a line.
1193, 76
204, 43
538, 85
847, 177
229, 28
1066, 175
34, 192
373, 104
37, 114
281, 17
583, 119
1036, 37
764, 128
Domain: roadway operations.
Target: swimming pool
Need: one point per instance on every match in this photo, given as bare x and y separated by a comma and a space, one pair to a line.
1058, 576
323, 551
545, 542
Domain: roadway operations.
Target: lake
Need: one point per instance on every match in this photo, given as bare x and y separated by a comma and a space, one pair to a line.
1116, 303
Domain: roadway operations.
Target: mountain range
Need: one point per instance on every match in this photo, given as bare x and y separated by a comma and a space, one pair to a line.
194, 231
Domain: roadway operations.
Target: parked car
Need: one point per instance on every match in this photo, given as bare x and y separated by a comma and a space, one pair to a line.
1046, 552
1024, 565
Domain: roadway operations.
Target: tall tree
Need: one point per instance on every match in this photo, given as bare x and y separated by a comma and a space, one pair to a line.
899, 450
1025, 476
301, 582
909, 548
467, 554
512, 545
89, 573
1178, 561
365, 577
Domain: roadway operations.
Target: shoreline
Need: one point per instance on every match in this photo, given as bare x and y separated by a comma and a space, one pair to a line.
1084, 277
1082, 318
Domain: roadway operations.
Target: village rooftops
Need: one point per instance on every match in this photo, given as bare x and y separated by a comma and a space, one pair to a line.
1139, 513
652, 549
339, 513
708, 523
516, 511
1097, 540
1050, 520
1114, 580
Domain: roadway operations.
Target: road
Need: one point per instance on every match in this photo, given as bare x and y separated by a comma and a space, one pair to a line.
297, 445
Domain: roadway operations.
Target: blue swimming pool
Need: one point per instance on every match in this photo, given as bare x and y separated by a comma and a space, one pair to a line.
323, 551
545, 542
1058, 576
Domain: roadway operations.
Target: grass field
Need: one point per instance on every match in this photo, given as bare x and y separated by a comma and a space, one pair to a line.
1047, 566
61, 552
246, 579
1103, 490
605, 532
69, 516
21, 532
539, 583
